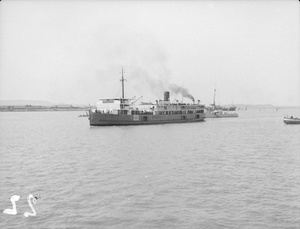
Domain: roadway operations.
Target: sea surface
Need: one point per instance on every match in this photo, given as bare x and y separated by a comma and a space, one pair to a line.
222, 173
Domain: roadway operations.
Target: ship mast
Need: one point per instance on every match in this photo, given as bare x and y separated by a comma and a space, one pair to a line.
122, 80
214, 98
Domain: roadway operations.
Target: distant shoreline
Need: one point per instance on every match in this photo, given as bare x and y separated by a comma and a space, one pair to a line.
42, 104
30, 108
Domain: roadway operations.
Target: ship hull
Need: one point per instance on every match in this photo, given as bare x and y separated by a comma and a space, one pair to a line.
291, 121
223, 115
100, 119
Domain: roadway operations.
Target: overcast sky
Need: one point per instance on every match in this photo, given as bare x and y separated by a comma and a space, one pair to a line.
73, 51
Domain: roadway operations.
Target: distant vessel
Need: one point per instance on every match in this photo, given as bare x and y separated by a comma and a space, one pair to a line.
214, 111
122, 111
84, 115
232, 108
291, 120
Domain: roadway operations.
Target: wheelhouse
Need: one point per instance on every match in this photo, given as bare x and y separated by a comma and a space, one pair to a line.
113, 106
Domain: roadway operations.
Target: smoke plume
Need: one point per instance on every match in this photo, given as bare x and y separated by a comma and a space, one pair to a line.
145, 61
181, 90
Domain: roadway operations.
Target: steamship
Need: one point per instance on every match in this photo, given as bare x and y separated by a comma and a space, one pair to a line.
214, 111
123, 111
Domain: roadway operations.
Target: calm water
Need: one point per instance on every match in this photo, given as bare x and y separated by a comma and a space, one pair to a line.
223, 173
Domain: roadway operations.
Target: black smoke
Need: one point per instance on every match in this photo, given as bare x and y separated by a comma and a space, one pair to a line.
181, 90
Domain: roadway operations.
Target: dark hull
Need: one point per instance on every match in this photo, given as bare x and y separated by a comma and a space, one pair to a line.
291, 121
99, 119
229, 109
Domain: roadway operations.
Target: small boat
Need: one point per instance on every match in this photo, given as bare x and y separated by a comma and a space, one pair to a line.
84, 115
232, 108
291, 120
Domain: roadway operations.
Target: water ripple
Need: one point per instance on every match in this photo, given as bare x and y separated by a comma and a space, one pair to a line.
222, 173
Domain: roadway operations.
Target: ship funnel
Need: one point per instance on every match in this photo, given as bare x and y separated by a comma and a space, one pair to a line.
166, 96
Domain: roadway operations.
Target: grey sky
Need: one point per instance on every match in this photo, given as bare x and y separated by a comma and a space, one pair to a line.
73, 51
